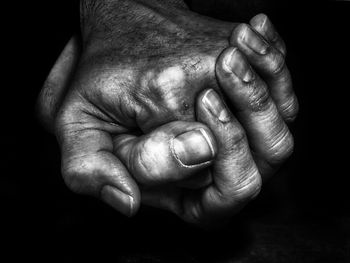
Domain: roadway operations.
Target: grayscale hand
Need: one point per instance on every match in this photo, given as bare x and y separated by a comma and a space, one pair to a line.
149, 88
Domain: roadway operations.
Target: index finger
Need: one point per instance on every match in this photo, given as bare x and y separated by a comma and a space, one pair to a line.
236, 179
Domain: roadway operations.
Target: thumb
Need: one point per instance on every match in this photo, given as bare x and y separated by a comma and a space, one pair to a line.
172, 152
57, 83
89, 166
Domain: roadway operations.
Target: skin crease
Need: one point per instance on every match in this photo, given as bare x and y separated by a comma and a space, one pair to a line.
137, 72
192, 48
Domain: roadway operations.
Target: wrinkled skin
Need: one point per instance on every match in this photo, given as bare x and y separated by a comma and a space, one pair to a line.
145, 70
162, 60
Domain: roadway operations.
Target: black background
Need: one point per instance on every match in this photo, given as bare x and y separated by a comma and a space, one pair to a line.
302, 214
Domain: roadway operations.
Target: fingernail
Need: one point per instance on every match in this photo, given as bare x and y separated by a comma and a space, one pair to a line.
255, 42
216, 106
117, 199
237, 64
193, 147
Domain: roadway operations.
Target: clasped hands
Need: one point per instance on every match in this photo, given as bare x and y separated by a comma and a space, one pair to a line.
168, 108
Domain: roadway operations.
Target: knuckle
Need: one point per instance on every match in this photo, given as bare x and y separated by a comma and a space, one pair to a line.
240, 136
282, 149
246, 188
233, 139
143, 163
258, 97
249, 188
290, 109
237, 141
139, 163
277, 63
67, 121
162, 88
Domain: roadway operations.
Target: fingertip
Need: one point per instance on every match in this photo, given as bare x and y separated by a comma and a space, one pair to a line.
194, 147
213, 107
213, 111
234, 73
126, 204
259, 21
102, 175
238, 34
223, 63
263, 25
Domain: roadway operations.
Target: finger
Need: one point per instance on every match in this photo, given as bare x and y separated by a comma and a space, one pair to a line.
88, 165
56, 83
269, 62
263, 25
170, 153
236, 179
268, 134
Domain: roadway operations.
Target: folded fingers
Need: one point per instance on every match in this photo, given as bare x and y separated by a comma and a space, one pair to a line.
263, 25
172, 153
88, 164
268, 134
265, 51
235, 177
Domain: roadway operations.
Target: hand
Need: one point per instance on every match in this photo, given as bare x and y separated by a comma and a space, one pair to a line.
85, 173
250, 147
141, 66
156, 40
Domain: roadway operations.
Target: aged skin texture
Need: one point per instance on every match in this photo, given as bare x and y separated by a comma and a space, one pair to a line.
141, 108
